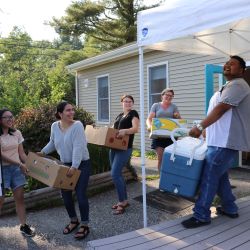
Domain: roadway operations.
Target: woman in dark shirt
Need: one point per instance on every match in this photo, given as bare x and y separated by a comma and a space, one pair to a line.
127, 123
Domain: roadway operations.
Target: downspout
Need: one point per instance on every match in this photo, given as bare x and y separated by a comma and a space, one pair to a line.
77, 89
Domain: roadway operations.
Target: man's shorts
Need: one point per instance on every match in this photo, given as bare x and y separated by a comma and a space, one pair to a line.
13, 177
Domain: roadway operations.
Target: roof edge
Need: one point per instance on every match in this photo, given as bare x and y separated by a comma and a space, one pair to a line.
113, 55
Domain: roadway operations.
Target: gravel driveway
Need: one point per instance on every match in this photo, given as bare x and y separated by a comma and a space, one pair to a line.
49, 223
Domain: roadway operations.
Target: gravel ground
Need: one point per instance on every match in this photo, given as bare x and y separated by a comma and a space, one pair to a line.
49, 223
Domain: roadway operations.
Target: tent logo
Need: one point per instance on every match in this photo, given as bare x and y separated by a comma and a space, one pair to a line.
144, 32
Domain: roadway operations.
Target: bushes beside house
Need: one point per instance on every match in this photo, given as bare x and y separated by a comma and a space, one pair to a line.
35, 124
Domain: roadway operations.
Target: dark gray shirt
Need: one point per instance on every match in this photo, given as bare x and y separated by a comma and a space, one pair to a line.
237, 94
163, 113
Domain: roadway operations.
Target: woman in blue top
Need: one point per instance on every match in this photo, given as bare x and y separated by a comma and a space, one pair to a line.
68, 139
163, 109
128, 124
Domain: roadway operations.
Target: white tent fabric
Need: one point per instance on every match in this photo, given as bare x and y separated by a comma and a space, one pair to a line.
204, 26
191, 26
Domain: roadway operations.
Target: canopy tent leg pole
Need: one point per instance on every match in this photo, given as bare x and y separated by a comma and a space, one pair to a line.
142, 124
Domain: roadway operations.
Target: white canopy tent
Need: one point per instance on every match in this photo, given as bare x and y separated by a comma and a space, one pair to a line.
189, 26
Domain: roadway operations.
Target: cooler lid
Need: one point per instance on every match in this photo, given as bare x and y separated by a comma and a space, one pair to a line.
185, 148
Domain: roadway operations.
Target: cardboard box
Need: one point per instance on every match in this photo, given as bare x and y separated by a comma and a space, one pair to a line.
162, 127
105, 136
51, 172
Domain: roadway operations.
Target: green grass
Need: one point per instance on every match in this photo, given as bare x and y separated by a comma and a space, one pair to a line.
149, 154
136, 153
152, 177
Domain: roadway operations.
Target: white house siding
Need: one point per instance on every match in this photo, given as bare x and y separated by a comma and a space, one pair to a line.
186, 77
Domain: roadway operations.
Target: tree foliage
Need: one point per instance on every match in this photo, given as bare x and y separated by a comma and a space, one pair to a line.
35, 124
107, 24
34, 72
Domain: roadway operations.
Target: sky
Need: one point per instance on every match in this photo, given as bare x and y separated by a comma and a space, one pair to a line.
30, 15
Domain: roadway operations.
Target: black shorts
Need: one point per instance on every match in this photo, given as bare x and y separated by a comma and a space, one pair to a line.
161, 142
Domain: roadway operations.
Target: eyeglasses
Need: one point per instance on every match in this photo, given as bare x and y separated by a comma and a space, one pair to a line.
8, 117
127, 101
170, 96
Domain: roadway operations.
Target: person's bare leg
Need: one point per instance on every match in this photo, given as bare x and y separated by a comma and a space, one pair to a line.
20, 207
159, 152
1, 203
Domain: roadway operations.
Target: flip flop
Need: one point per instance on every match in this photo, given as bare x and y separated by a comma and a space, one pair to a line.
116, 206
82, 234
119, 210
69, 230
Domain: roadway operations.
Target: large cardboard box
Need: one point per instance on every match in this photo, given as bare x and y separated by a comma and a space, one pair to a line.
51, 172
105, 136
162, 127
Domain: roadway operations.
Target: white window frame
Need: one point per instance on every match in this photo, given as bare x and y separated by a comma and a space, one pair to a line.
97, 98
148, 83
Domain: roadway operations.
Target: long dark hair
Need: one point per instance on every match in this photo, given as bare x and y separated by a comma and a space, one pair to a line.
59, 109
11, 130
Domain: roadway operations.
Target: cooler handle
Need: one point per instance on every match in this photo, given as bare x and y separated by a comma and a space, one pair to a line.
172, 158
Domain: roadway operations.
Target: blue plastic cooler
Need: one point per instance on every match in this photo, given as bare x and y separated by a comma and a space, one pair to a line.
182, 166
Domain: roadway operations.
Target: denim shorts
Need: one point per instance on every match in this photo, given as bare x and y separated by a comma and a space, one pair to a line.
13, 177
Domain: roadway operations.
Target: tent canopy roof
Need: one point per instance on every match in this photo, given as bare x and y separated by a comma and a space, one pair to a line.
204, 26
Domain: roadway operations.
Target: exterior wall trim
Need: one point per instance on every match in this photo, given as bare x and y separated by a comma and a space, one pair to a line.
97, 77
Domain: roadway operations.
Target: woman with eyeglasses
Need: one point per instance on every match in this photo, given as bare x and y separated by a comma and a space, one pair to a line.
13, 166
127, 122
163, 109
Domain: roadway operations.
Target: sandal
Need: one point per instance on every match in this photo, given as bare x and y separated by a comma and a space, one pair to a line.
69, 230
119, 210
120, 205
82, 234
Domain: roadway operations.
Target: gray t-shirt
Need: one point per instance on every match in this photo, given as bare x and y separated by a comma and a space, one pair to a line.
237, 94
71, 145
163, 113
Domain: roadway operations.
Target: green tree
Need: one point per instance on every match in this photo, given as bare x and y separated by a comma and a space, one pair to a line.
107, 24
34, 72
61, 82
23, 70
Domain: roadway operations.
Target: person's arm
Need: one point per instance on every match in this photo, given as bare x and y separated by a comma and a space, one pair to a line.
152, 114
79, 142
149, 120
22, 154
213, 116
176, 114
10, 160
50, 147
129, 131
22, 157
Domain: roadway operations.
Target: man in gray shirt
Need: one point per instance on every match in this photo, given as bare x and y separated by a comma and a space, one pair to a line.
227, 126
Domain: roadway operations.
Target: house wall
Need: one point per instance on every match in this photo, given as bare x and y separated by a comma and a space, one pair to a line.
186, 77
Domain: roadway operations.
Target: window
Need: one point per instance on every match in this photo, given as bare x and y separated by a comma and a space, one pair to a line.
157, 76
103, 98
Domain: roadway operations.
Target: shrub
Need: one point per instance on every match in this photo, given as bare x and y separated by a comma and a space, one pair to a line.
35, 123
99, 157
35, 126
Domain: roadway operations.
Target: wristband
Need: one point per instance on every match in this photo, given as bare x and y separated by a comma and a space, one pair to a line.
199, 126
